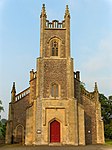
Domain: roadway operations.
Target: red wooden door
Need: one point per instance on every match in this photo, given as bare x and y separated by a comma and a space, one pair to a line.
54, 131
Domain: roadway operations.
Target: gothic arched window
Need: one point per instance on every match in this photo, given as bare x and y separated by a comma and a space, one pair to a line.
54, 90
54, 48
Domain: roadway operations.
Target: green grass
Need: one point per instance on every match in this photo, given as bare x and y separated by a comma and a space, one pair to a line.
108, 142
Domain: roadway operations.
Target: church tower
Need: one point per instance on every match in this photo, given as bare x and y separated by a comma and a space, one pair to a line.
56, 109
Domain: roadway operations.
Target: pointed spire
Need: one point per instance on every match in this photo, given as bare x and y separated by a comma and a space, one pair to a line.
13, 87
96, 87
43, 12
67, 13
13, 92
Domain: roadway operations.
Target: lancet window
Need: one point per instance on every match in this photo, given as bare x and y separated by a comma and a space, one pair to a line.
54, 48
54, 90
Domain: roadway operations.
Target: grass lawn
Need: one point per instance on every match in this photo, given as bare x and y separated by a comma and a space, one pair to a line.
108, 142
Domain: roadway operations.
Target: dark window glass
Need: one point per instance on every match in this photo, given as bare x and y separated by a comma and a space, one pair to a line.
54, 48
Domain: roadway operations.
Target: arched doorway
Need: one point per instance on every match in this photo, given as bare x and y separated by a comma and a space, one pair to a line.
54, 131
19, 134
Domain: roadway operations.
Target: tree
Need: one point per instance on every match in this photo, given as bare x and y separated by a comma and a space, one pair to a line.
106, 109
1, 108
110, 98
2, 124
3, 127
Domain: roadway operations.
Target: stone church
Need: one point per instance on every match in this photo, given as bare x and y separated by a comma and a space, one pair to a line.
55, 109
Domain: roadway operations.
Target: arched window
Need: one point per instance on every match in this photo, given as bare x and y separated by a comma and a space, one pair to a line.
54, 48
55, 90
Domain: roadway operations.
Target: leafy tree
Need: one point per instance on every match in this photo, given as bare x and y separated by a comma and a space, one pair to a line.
2, 124
106, 108
82, 85
1, 108
3, 127
110, 98
108, 131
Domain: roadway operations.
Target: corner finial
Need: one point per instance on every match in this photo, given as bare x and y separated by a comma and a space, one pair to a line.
14, 84
13, 87
43, 5
67, 7
96, 87
43, 12
13, 93
67, 13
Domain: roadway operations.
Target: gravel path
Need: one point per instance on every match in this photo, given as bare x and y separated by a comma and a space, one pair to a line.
89, 147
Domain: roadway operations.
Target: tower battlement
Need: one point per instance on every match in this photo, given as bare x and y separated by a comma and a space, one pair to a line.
55, 24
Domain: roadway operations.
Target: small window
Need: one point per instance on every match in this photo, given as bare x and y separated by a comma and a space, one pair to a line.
54, 47
54, 90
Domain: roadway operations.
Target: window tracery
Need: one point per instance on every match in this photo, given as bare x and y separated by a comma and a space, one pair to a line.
54, 48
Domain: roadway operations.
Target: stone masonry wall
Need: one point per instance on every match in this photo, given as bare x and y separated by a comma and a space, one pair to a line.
32, 90
55, 72
19, 111
48, 34
90, 120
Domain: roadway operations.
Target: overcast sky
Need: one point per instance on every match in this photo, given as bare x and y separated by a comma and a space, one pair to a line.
91, 41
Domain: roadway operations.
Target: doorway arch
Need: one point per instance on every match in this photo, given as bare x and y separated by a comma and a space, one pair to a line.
54, 131
19, 134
